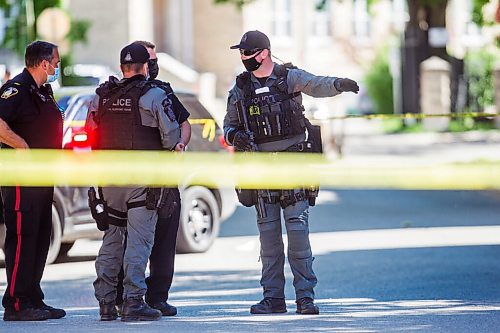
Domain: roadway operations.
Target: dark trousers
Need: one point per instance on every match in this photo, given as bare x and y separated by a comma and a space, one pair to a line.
161, 260
28, 222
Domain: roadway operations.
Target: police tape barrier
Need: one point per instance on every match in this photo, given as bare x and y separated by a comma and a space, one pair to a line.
417, 115
208, 132
247, 170
209, 127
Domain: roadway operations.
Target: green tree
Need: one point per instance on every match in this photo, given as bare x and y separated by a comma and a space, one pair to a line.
237, 3
21, 23
378, 81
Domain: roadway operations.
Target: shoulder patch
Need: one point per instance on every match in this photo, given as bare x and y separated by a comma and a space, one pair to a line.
9, 92
168, 108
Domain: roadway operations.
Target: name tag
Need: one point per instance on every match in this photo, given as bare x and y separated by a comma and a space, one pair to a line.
262, 90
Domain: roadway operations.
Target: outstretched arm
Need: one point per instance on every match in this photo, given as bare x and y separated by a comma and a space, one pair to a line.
319, 86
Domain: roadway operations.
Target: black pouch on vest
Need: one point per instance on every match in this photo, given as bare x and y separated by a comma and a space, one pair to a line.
247, 198
314, 137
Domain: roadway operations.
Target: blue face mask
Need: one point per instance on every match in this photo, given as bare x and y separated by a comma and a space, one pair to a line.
53, 77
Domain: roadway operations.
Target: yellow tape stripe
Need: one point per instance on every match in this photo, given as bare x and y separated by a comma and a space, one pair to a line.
75, 123
208, 127
39, 168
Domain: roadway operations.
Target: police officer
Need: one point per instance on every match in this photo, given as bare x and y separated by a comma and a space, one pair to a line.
29, 119
161, 261
133, 114
265, 113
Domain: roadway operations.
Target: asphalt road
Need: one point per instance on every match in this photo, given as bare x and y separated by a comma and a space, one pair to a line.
386, 261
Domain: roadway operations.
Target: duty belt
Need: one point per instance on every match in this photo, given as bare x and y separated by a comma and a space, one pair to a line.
301, 147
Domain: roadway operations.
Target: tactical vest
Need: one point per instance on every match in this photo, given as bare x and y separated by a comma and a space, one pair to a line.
272, 114
119, 118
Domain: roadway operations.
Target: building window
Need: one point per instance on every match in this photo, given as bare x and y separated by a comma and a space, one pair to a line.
321, 23
361, 19
282, 18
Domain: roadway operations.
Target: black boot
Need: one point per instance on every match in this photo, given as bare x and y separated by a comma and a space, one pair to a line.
135, 309
306, 306
269, 305
165, 308
107, 311
55, 313
28, 314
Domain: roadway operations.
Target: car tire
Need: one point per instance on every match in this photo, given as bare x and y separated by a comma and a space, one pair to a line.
199, 222
55, 237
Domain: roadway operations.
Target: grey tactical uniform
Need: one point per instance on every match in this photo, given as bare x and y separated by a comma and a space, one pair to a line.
154, 111
296, 216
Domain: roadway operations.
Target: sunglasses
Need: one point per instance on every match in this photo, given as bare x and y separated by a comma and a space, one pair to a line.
249, 52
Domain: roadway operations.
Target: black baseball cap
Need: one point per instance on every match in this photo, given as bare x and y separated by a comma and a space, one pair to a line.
253, 40
134, 54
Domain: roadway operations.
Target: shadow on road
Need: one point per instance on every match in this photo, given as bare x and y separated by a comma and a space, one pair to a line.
66, 259
430, 289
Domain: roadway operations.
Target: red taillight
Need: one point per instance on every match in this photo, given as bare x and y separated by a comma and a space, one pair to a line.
224, 144
82, 137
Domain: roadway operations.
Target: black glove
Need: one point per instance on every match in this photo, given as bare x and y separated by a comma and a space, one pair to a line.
242, 141
346, 85
97, 210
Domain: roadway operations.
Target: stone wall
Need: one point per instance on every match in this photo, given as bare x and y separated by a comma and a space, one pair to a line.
435, 95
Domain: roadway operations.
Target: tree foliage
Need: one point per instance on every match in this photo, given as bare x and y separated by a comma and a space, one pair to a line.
479, 69
237, 3
477, 7
19, 32
378, 81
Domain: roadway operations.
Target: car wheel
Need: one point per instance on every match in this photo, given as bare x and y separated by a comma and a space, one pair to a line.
199, 221
55, 237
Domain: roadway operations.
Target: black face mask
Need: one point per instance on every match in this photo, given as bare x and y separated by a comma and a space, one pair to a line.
153, 68
252, 64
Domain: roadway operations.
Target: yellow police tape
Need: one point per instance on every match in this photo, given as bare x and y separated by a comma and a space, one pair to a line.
247, 170
208, 132
208, 127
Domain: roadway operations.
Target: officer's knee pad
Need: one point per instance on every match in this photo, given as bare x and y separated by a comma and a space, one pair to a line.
296, 224
271, 241
304, 255
269, 226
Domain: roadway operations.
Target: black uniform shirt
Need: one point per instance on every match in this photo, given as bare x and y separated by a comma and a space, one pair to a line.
31, 112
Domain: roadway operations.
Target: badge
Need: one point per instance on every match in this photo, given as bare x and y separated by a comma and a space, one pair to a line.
128, 57
168, 108
9, 92
254, 110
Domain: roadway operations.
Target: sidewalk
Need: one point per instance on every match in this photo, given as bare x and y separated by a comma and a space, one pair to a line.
429, 147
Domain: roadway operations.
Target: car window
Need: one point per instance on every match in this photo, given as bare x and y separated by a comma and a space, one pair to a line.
77, 111
83, 109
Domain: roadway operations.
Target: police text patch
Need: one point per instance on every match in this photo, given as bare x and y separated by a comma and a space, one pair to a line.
9, 92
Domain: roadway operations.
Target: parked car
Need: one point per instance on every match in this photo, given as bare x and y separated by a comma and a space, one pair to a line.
203, 209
